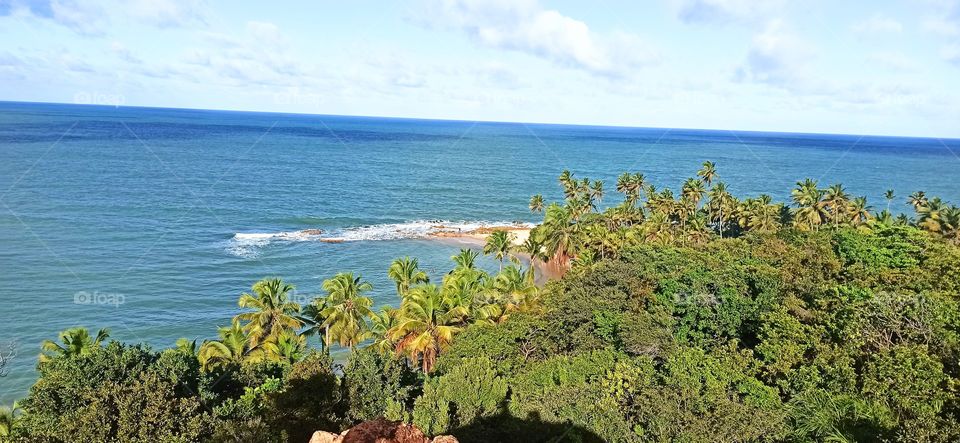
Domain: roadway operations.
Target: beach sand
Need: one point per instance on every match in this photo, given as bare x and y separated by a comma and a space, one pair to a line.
543, 272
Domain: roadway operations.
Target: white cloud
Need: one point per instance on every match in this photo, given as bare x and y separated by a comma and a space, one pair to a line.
525, 26
124, 53
723, 11
167, 13
877, 24
893, 60
777, 57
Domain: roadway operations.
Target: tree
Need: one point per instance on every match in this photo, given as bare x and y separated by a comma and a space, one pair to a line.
465, 259
917, 200
860, 211
76, 342
273, 312
889, 196
499, 244
693, 190
233, 348
837, 200
427, 325
346, 309
536, 203
405, 272
558, 232
810, 210
720, 203
708, 172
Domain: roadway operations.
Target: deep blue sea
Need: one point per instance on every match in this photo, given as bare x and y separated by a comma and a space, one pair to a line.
151, 222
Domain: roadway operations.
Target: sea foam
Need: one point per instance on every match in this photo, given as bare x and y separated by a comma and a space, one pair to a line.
247, 245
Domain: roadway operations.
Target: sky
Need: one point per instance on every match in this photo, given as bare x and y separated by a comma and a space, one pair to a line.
855, 67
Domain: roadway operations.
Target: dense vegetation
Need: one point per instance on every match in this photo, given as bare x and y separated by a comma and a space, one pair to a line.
822, 321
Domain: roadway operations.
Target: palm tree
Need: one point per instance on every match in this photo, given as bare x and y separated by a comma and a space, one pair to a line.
929, 215
233, 347
499, 243
536, 203
380, 326
518, 289
918, 200
532, 247
693, 189
186, 346
808, 199
596, 191
405, 272
557, 235
708, 172
76, 342
8, 418
273, 312
720, 199
346, 309
465, 259
837, 199
889, 196
289, 347
427, 325
860, 211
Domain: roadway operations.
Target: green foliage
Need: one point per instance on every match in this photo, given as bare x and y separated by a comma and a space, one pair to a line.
376, 385
469, 392
117, 393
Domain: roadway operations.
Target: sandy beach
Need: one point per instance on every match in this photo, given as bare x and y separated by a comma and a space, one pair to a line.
479, 235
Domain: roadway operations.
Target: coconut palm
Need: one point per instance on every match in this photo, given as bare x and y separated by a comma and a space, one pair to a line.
75, 342
860, 212
186, 346
405, 272
346, 309
557, 234
889, 196
518, 290
693, 190
465, 259
596, 190
808, 198
534, 248
918, 200
8, 419
427, 325
312, 317
930, 214
721, 205
289, 347
499, 244
536, 203
380, 325
837, 200
232, 348
272, 311
708, 172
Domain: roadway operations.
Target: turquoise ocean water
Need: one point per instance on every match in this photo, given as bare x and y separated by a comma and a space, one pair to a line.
151, 222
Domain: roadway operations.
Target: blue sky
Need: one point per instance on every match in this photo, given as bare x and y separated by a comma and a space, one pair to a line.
865, 67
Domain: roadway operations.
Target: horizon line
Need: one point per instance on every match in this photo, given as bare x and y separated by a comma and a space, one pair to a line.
587, 125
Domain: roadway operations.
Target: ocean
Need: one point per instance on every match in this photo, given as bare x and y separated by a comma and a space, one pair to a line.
151, 222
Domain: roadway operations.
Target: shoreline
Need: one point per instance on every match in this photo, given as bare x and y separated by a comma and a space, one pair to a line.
478, 237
